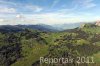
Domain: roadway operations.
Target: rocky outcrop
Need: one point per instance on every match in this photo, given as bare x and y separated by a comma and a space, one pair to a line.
82, 25
97, 23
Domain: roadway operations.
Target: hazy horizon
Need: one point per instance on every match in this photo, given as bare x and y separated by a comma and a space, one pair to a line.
51, 24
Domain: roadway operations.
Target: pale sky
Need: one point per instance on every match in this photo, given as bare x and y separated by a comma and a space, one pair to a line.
48, 11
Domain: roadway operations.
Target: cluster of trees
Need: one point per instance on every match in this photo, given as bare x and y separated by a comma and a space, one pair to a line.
14, 45
74, 44
34, 34
10, 48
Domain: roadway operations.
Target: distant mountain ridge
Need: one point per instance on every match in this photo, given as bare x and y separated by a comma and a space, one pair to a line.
42, 27
17, 28
10, 28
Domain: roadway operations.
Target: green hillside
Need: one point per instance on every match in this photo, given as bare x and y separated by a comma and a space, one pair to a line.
26, 47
